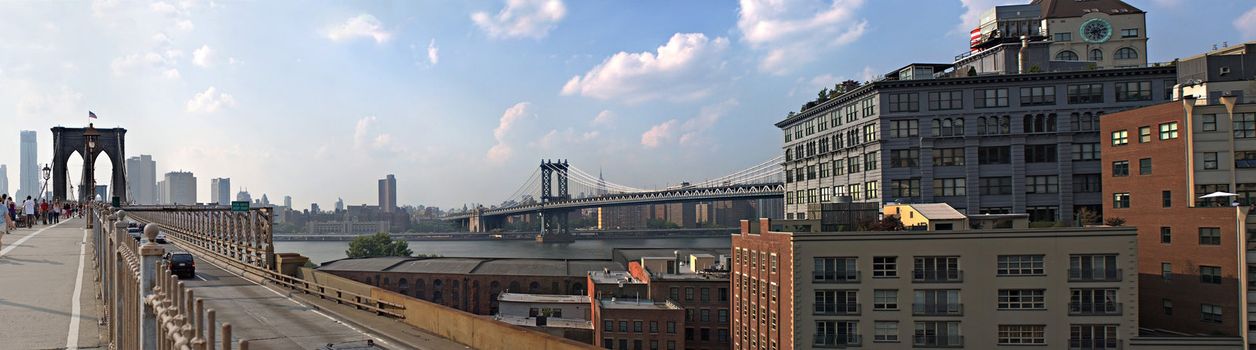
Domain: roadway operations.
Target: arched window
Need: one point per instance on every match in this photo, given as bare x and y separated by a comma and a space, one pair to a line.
514, 287
534, 287
1066, 55
937, 127
1050, 123
385, 285
1028, 123
1006, 125
438, 294
1126, 53
981, 125
420, 290
958, 127
401, 286
1095, 55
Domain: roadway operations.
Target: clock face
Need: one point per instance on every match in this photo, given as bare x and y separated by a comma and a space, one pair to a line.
1096, 30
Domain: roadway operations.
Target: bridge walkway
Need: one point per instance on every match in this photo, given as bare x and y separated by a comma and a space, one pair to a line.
48, 293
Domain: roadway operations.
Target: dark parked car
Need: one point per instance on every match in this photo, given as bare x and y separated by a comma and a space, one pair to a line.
135, 233
181, 264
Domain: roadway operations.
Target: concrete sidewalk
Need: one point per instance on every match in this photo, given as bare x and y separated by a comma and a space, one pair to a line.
38, 267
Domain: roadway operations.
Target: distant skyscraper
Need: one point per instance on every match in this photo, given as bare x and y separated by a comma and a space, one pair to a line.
601, 184
265, 200
163, 197
340, 204
4, 179
244, 196
313, 208
388, 193
29, 169
287, 202
179, 187
141, 178
220, 191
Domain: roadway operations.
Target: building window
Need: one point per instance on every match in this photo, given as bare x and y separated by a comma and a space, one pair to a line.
1093, 336
885, 331
1133, 91
946, 127
852, 165
949, 187
995, 185
1129, 33
871, 160
1037, 96
1022, 299
936, 268
1021, 265
989, 98
671, 327
1084, 121
1144, 134
836, 270
870, 132
904, 102
1166, 199
1095, 55
1120, 137
905, 188
1042, 213
623, 326
855, 191
904, 128
1093, 301
1210, 274
1093, 267
1210, 313
1244, 125
1209, 122
1121, 168
994, 155
1039, 123
948, 157
904, 158
1166, 271
1210, 160
946, 100
1167, 305
1066, 55
1022, 334
1040, 153
937, 334
1042, 184
1085, 151
1166, 235
636, 325
994, 125
885, 299
1144, 166
1210, 236
1126, 53
1087, 183
885, 267
836, 333
1085, 93
871, 191
1121, 200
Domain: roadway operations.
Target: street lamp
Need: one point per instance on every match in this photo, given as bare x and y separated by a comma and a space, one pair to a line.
89, 171
47, 175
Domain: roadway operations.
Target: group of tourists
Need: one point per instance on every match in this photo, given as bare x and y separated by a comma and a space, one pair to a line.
29, 212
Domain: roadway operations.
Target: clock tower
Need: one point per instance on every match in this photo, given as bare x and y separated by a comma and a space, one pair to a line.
1109, 33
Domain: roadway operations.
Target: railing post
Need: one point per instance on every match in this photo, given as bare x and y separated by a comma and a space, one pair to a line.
226, 336
210, 317
150, 265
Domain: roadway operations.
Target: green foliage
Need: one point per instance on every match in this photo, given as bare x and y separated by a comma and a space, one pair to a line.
1035, 69
432, 226
1116, 221
659, 223
376, 245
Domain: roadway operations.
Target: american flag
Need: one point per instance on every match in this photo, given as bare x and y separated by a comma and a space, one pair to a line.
91, 115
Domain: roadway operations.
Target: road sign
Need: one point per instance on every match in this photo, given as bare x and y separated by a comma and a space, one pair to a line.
239, 206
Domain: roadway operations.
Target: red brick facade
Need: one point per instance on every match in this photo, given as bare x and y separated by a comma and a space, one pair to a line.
1171, 234
707, 315
647, 329
472, 293
762, 288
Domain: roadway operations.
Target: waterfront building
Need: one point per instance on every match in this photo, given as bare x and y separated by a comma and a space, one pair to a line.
1006, 129
287, 202
347, 227
179, 188
220, 191
977, 289
388, 193
28, 169
1158, 161
141, 178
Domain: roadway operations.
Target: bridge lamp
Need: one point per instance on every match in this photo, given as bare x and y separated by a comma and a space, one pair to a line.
47, 172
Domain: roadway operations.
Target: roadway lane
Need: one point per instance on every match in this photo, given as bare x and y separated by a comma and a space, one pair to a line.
266, 316
38, 289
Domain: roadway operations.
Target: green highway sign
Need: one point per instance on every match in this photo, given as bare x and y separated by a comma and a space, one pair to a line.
239, 206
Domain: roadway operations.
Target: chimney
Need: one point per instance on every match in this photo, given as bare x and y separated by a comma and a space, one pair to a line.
1020, 55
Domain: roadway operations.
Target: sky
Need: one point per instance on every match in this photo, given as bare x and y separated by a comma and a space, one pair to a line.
462, 99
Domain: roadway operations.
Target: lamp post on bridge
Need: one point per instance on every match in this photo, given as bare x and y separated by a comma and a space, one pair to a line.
43, 192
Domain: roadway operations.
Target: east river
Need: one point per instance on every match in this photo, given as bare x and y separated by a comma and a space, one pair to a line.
323, 251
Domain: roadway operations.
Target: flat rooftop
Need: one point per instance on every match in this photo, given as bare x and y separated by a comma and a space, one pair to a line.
601, 277
1024, 233
636, 304
543, 298
474, 266
549, 322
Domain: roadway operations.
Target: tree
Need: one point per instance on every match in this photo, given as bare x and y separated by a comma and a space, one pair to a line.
1117, 221
376, 245
1085, 216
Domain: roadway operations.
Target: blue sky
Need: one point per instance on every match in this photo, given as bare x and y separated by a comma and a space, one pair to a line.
460, 99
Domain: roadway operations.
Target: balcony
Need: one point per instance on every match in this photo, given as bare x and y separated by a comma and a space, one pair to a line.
938, 341
824, 309
1093, 344
937, 276
1245, 163
937, 309
1090, 275
1094, 309
841, 277
837, 340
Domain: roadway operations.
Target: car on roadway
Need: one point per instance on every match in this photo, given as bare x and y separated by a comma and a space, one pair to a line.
135, 233
161, 237
181, 264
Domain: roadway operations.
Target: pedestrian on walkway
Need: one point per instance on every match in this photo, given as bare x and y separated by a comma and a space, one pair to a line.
56, 212
28, 209
5, 218
44, 211
10, 210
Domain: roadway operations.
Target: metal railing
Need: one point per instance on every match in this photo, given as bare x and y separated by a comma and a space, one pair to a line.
1089, 275
932, 276
1098, 308
837, 309
837, 340
938, 341
1093, 343
928, 309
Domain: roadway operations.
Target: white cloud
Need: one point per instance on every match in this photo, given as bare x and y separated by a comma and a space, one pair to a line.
972, 12
360, 26
151, 62
1246, 24
556, 139
604, 118
164, 8
867, 74
203, 57
368, 137
209, 101
63, 103
501, 151
522, 19
677, 70
690, 131
791, 32
433, 52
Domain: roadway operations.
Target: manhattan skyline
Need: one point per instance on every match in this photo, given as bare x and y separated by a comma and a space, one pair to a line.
461, 100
